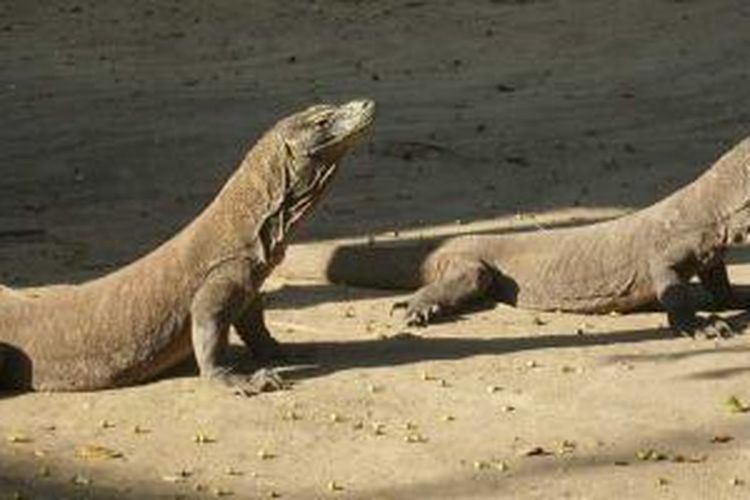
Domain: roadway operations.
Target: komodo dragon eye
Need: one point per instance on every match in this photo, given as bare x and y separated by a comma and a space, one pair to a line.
322, 121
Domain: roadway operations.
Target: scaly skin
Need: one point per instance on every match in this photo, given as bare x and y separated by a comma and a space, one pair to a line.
617, 265
133, 324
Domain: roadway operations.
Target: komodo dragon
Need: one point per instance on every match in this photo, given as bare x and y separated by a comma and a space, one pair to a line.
133, 324
617, 265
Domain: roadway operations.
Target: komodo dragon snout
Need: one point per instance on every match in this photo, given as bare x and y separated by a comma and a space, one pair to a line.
327, 131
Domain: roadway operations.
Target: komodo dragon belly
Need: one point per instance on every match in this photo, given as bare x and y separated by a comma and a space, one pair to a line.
558, 284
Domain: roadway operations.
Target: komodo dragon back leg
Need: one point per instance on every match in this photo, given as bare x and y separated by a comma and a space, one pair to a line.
211, 315
459, 282
673, 293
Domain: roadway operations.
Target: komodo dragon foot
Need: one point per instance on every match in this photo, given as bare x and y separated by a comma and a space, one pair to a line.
263, 380
711, 327
418, 313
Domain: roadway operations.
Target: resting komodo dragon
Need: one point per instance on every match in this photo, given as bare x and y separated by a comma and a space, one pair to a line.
133, 324
617, 265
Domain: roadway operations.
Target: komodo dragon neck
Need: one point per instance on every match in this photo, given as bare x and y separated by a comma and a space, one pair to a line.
718, 200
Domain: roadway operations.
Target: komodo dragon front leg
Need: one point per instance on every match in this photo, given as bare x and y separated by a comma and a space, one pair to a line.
216, 305
715, 280
251, 328
672, 291
459, 281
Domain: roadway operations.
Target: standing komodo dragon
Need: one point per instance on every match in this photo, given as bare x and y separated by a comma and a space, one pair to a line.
617, 265
133, 324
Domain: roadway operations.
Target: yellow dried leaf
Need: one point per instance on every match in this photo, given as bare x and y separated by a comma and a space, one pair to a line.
735, 405
19, 438
96, 452
334, 486
203, 438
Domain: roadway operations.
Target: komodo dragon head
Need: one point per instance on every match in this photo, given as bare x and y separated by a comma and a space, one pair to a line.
315, 140
288, 171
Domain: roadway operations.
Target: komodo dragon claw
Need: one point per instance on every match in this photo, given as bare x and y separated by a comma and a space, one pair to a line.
419, 315
712, 327
715, 327
263, 380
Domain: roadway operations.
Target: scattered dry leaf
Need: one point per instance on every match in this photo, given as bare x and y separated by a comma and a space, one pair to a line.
415, 438
336, 418
651, 454
334, 486
735, 405
535, 451
500, 465
203, 438
481, 464
721, 438
96, 452
180, 477
19, 438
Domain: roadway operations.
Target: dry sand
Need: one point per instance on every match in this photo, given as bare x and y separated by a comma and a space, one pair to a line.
121, 119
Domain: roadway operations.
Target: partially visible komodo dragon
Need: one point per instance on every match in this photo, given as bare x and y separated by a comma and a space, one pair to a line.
617, 265
133, 324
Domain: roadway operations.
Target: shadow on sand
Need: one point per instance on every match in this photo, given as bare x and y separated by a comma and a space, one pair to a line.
322, 358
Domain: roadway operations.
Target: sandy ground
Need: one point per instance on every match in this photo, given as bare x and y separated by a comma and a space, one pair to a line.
121, 119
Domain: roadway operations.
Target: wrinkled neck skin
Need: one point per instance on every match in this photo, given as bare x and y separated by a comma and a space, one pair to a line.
259, 207
718, 199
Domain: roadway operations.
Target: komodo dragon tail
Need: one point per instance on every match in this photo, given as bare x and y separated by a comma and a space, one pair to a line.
387, 265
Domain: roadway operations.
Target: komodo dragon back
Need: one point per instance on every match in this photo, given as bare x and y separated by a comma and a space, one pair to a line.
136, 322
